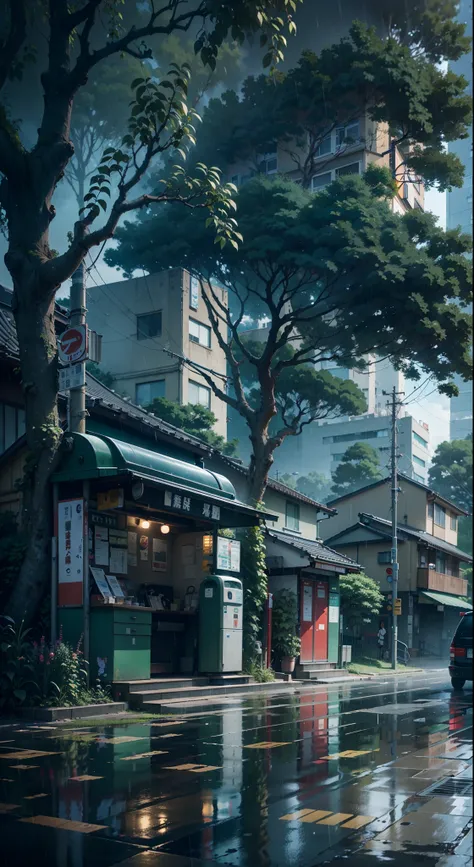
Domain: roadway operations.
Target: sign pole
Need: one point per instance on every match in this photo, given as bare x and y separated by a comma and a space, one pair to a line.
394, 555
77, 396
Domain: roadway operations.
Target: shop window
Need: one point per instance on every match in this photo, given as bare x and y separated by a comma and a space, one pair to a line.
149, 325
199, 394
146, 392
292, 516
12, 425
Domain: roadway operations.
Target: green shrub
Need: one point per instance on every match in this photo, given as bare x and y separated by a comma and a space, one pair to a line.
284, 620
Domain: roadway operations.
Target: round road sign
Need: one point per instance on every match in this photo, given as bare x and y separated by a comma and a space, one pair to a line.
73, 344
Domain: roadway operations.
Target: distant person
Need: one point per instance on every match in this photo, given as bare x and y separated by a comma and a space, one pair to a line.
381, 639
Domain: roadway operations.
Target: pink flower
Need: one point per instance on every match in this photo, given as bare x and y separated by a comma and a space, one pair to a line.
41, 659
35, 644
51, 655
74, 655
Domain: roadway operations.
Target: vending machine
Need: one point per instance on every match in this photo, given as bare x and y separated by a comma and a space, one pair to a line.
220, 625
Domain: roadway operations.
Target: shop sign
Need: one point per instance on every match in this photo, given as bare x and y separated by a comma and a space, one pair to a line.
187, 505
102, 520
228, 554
70, 541
194, 293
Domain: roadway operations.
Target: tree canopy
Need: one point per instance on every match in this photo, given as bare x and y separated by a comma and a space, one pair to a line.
337, 275
450, 473
359, 466
194, 419
314, 485
361, 598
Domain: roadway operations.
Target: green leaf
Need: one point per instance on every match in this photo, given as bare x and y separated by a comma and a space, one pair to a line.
267, 59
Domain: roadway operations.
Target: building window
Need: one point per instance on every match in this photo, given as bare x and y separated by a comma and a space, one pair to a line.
419, 461
439, 515
351, 169
199, 333
268, 164
453, 522
418, 478
362, 435
325, 146
430, 510
321, 181
292, 516
199, 394
384, 557
348, 135
420, 440
12, 425
146, 392
149, 325
440, 562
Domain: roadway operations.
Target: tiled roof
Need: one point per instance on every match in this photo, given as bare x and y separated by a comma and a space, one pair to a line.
8, 340
413, 532
314, 549
404, 478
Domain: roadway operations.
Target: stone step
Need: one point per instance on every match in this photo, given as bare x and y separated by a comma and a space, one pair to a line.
316, 674
316, 666
138, 699
189, 700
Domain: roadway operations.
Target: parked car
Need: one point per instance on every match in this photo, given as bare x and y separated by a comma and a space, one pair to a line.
460, 665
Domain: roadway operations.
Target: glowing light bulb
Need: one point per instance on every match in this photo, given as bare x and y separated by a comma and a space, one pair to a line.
165, 529
145, 525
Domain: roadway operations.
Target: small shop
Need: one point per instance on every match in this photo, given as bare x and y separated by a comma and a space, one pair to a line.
143, 571
311, 571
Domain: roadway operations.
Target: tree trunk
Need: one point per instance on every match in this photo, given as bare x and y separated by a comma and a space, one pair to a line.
36, 334
261, 463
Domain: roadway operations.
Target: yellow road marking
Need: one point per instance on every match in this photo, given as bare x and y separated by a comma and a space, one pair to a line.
350, 754
335, 819
145, 755
358, 822
171, 723
291, 817
316, 815
6, 780
123, 739
63, 824
5, 808
171, 735
32, 797
84, 778
266, 745
27, 754
23, 767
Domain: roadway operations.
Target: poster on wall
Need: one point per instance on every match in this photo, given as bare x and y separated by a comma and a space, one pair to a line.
101, 546
143, 545
114, 586
118, 560
160, 555
308, 603
228, 554
132, 548
101, 582
71, 526
194, 293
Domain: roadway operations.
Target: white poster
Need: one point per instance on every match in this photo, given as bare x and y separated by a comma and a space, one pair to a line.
160, 555
70, 541
194, 293
101, 546
308, 603
132, 548
333, 614
228, 554
118, 560
114, 586
234, 556
99, 578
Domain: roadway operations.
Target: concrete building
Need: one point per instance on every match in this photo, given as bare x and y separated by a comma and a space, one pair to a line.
459, 213
431, 585
321, 445
140, 319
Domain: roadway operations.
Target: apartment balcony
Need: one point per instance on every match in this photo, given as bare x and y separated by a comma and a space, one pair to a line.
429, 579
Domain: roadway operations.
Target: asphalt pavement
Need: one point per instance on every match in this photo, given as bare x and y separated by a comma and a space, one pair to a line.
361, 773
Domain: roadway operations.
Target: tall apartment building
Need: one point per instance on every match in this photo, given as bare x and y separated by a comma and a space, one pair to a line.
459, 213
142, 321
321, 446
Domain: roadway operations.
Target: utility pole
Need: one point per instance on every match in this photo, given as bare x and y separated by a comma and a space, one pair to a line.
394, 404
77, 316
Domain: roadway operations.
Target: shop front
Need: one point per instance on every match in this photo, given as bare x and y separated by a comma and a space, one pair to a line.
141, 560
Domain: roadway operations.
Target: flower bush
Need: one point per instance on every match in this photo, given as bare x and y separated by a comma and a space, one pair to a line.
43, 674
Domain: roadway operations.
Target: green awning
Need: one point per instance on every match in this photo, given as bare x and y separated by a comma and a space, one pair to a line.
445, 599
93, 456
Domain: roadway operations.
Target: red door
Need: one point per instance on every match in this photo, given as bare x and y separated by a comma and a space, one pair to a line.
320, 606
306, 622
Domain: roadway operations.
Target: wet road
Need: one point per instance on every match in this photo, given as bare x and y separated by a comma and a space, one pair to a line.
340, 774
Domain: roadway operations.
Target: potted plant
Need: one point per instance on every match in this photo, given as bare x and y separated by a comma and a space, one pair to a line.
286, 643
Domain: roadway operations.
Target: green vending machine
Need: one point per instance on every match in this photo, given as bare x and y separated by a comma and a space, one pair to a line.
220, 625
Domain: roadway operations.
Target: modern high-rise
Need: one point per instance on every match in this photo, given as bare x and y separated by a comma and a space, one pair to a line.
459, 213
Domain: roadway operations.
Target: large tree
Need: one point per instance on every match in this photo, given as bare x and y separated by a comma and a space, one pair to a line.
80, 36
312, 110
338, 275
314, 485
451, 475
194, 419
360, 465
